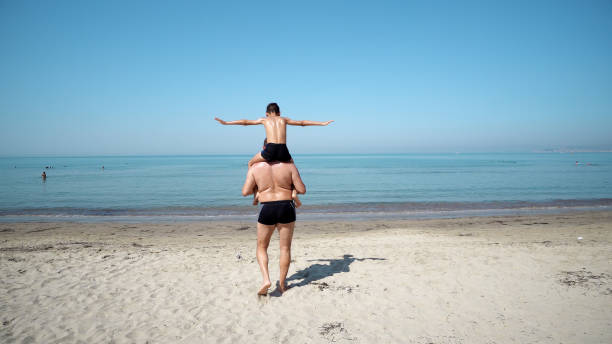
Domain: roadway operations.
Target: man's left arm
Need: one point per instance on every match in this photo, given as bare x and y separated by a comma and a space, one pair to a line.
306, 123
249, 183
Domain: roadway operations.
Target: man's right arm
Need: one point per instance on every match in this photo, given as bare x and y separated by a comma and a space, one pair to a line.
249, 183
240, 121
298, 184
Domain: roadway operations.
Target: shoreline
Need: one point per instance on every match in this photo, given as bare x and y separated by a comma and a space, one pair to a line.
494, 279
337, 212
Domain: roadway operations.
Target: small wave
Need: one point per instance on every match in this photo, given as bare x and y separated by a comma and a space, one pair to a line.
327, 211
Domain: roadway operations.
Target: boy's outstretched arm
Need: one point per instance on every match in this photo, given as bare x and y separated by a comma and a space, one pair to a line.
240, 121
306, 123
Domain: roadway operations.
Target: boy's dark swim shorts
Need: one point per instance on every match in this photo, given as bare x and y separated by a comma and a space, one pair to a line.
275, 212
276, 152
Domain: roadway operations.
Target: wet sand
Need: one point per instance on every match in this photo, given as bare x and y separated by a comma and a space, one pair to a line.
503, 279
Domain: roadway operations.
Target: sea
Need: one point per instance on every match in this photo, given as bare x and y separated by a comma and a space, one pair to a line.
347, 187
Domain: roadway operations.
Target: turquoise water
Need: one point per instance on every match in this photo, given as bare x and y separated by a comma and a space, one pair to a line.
210, 185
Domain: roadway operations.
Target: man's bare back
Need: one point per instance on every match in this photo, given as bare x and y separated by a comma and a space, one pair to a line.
275, 181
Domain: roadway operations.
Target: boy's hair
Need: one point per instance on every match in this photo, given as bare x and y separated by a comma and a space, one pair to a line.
273, 108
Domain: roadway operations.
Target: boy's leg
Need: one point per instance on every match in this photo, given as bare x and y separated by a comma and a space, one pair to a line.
295, 198
286, 235
255, 195
264, 233
257, 158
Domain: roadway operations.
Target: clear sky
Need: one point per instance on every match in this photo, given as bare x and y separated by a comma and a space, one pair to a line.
147, 77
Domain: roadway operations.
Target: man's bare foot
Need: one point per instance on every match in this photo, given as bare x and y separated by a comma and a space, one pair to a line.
264, 288
283, 287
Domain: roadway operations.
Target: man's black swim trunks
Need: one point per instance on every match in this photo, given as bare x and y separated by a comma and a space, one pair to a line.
276, 152
275, 212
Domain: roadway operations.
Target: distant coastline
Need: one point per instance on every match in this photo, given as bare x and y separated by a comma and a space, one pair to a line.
574, 150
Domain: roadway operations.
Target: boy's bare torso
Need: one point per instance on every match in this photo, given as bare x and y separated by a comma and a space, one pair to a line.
276, 129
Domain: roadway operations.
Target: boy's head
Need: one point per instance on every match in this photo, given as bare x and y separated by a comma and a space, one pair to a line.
273, 109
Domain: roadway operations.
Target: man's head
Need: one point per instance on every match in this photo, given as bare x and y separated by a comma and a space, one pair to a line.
273, 110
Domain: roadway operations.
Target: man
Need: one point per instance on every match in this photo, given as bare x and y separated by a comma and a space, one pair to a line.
275, 182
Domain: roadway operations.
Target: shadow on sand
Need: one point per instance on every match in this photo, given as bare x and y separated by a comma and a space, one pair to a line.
316, 272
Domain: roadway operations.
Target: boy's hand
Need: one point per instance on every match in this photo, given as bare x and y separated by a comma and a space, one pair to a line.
220, 120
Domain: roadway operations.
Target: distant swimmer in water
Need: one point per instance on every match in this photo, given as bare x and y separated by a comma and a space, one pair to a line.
44, 175
102, 167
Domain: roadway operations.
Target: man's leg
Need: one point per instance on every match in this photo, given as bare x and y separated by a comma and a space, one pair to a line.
286, 234
264, 233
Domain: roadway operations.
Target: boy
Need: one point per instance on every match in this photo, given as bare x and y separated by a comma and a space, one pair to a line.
276, 137
276, 134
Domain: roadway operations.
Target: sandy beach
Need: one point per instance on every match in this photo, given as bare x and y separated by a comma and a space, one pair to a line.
504, 279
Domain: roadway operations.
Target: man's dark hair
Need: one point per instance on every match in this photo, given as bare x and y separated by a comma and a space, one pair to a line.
273, 108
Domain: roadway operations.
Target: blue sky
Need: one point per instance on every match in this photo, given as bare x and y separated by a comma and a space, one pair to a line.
130, 77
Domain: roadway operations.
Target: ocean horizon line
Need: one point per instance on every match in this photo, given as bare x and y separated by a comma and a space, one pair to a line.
126, 155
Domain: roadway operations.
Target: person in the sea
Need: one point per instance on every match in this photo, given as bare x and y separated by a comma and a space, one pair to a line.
276, 133
294, 194
44, 175
275, 181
